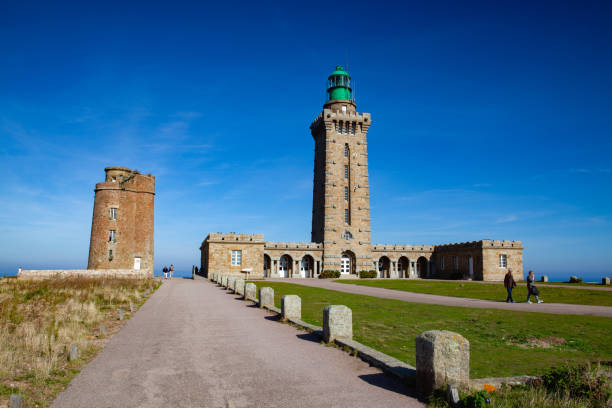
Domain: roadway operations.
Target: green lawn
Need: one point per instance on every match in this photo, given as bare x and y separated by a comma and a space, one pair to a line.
499, 340
485, 291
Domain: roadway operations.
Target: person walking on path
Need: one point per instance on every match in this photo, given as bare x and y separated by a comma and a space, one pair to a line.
531, 289
509, 284
165, 272
171, 270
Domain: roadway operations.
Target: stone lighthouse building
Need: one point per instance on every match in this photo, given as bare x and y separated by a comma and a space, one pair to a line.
341, 234
341, 194
122, 224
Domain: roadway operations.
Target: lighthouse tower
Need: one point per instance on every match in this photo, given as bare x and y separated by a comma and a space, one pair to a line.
341, 193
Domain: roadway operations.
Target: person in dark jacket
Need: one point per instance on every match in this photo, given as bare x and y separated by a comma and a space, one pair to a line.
165, 272
531, 289
509, 284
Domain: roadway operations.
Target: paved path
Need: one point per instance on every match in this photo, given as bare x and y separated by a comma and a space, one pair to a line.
556, 308
195, 345
538, 284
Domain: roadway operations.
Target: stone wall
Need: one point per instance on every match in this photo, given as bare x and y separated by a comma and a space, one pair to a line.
453, 260
132, 195
84, 273
217, 254
341, 185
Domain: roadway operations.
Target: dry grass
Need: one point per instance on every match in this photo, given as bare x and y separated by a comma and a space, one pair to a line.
40, 320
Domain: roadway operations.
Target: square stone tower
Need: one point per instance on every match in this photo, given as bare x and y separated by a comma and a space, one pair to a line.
341, 193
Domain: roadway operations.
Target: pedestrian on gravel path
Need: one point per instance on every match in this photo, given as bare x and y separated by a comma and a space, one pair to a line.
165, 272
171, 270
509, 284
531, 289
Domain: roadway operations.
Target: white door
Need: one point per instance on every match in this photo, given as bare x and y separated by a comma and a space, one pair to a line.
304, 268
283, 267
136, 263
345, 265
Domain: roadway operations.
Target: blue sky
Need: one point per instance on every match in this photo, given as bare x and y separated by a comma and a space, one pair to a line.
490, 120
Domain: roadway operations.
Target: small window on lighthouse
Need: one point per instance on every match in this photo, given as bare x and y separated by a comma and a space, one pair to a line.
343, 108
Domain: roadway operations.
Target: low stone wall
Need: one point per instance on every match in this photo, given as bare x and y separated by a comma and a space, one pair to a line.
442, 357
84, 273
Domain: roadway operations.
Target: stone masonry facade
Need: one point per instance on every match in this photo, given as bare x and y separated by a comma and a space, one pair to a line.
122, 222
341, 234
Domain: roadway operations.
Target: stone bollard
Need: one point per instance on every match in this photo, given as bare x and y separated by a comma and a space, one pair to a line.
131, 307
16, 401
103, 331
605, 281
73, 354
250, 291
266, 296
231, 282
544, 278
291, 307
337, 323
224, 283
442, 357
239, 287
120, 314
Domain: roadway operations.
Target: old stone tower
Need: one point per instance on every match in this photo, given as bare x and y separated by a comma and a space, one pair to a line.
341, 194
122, 224
341, 236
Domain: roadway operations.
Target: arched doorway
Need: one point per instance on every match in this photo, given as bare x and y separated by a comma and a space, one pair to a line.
267, 266
402, 267
307, 267
347, 263
383, 267
285, 266
422, 267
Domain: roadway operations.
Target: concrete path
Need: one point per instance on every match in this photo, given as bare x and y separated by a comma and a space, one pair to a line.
556, 308
195, 345
538, 284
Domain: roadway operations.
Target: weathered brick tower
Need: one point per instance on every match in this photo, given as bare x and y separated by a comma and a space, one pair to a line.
341, 193
122, 224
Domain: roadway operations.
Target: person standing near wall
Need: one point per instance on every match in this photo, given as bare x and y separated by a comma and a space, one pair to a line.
509, 284
171, 270
165, 272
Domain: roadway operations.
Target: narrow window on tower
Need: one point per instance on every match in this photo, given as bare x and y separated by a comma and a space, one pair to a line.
346, 172
112, 236
503, 261
456, 262
442, 263
346, 128
346, 193
346, 216
353, 129
346, 150
113, 214
110, 254
340, 127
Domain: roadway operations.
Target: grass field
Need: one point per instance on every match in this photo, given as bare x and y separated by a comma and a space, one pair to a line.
503, 343
40, 320
484, 291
